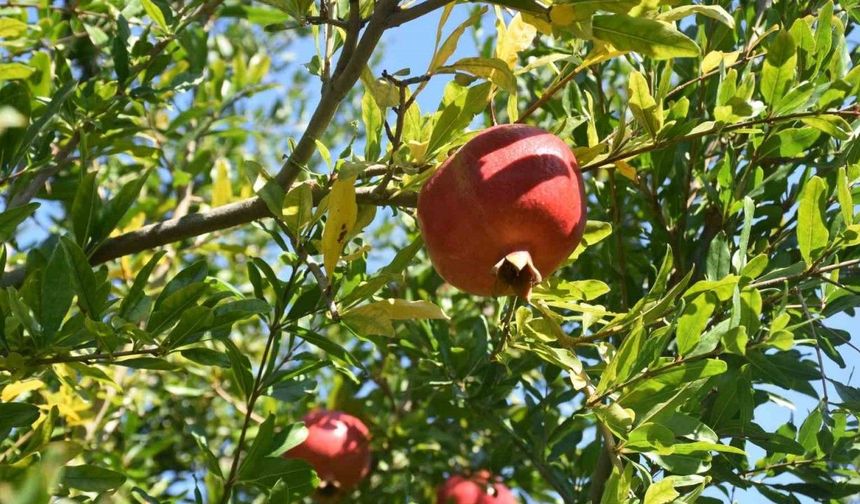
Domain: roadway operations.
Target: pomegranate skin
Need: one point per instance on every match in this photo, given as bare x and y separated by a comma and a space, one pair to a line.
338, 448
511, 188
475, 490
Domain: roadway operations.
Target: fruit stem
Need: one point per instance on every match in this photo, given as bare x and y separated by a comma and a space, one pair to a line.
517, 271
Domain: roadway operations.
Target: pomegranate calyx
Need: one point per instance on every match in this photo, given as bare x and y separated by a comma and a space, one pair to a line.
517, 271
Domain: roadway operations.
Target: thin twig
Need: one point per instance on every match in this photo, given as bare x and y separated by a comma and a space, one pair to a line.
274, 330
236, 404
851, 112
817, 344
800, 276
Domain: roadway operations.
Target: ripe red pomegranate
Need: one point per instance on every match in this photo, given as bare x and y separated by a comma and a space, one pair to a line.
338, 448
504, 211
478, 489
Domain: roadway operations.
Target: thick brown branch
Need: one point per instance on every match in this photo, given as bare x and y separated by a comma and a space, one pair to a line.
406, 15
217, 219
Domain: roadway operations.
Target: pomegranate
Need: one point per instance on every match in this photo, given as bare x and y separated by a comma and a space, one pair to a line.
338, 448
478, 489
504, 211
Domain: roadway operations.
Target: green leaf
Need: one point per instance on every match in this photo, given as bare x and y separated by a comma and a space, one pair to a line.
376, 317
192, 324
153, 363
173, 307
812, 234
669, 379
92, 478
206, 357
117, 207
830, 124
241, 367
260, 447
119, 50
296, 474
743, 243
661, 492
16, 415
58, 98
718, 263
89, 291
241, 309
823, 34
155, 12
290, 437
199, 436
457, 115
650, 437
735, 340
371, 115
13, 71
648, 37
85, 208
643, 105
712, 11
807, 436
797, 98
132, 300
194, 273
492, 69
57, 293
843, 193
780, 65
11, 28
11, 218
618, 486
693, 321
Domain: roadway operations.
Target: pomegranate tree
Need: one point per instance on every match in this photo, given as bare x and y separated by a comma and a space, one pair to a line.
503, 212
480, 488
338, 448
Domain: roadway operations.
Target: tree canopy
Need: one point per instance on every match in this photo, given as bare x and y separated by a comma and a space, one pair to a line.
203, 241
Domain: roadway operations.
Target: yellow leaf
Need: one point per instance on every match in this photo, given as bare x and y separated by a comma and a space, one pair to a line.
538, 22
591, 129
450, 45
515, 38
375, 318
562, 15
712, 60
513, 110
342, 212
15, 389
626, 170
384, 93
661, 492
222, 186
418, 150
645, 109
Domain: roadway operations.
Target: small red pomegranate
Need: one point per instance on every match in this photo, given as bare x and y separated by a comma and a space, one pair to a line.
478, 489
338, 448
504, 211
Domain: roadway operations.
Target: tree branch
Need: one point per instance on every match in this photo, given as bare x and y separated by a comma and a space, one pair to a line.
217, 219
406, 15
335, 92
851, 112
